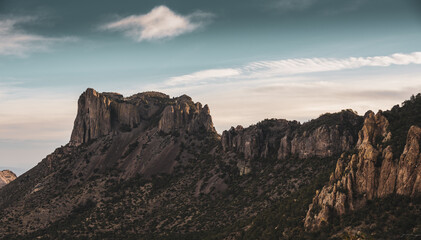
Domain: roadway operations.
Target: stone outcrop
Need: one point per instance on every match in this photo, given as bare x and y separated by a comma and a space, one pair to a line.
100, 114
370, 173
93, 117
6, 177
186, 115
409, 171
144, 132
258, 141
328, 135
324, 141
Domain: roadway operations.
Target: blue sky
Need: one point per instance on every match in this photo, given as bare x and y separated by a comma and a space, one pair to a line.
249, 60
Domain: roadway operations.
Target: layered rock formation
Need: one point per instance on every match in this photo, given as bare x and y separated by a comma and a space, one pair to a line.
135, 127
100, 114
6, 176
326, 136
371, 173
193, 118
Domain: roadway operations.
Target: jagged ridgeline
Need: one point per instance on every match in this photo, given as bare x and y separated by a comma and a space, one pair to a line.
386, 163
153, 167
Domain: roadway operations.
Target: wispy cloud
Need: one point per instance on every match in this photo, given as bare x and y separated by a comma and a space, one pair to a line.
17, 42
160, 23
204, 75
281, 68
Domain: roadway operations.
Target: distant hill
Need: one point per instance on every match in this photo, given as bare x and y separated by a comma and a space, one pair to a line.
6, 176
153, 167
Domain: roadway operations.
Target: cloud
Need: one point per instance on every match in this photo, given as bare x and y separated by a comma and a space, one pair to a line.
17, 42
204, 75
287, 67
311, 65
160, 23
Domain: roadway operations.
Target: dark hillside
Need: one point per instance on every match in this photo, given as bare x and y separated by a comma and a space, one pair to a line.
153, 167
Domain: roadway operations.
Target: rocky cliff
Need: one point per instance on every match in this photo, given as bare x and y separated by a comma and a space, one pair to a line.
153, 167
328, 135
114, 139
100, 114
372, 172
6, 177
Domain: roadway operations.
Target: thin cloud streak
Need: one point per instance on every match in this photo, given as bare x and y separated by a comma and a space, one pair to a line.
160, 23
204, 75
306, 65
281, 68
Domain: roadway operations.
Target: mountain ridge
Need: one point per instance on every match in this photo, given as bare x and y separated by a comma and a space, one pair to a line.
370, 173
153, 166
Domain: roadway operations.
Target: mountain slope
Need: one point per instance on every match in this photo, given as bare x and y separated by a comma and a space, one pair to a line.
379, 168
153, 167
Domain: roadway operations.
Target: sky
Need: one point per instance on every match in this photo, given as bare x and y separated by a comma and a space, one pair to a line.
247, 59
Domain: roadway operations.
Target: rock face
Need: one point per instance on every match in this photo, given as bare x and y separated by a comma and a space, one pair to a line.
185, 115
114, 139
409, 171
370, 173
100, 114
147, 166
328, 135
260, 140
136, 126
6, 177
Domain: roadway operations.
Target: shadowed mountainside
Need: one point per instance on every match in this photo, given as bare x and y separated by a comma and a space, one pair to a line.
153, 167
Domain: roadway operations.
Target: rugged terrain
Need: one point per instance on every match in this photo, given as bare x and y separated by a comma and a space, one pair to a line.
382, 165
153, 167
372, 172
6, 176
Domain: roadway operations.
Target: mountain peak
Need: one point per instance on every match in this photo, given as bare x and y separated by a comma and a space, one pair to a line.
100, 114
